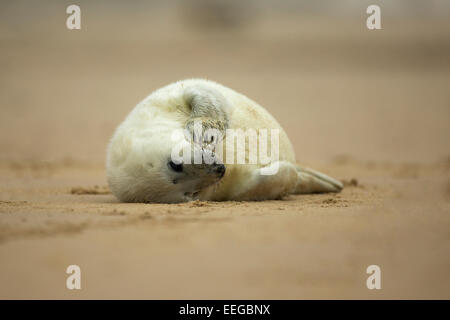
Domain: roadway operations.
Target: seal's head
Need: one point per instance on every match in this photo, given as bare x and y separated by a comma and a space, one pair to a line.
192, 178
141, 167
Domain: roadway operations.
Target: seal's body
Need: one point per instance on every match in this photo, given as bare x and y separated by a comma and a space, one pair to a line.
140, 164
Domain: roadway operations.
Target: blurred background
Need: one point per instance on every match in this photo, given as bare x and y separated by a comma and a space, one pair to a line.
339, 89
369, 107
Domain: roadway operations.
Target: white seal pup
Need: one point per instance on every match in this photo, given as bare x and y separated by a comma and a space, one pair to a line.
140, 161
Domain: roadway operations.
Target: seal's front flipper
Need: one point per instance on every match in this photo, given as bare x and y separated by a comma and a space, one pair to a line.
311, 181
207, 122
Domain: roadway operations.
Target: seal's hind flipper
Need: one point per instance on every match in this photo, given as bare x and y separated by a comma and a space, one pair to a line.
311, 181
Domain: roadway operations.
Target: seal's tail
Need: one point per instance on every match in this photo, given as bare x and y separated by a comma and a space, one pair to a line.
311, 181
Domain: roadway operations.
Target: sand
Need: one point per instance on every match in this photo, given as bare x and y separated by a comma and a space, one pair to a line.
371, 109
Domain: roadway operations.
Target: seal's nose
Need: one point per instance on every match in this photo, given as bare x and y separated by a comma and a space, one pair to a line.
219, 168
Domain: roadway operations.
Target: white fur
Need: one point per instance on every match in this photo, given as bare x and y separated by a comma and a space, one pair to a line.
140, 147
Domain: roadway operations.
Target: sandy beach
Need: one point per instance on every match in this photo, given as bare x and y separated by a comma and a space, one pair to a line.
369, 108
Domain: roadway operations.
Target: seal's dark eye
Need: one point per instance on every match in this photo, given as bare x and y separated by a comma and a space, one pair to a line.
176, 167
